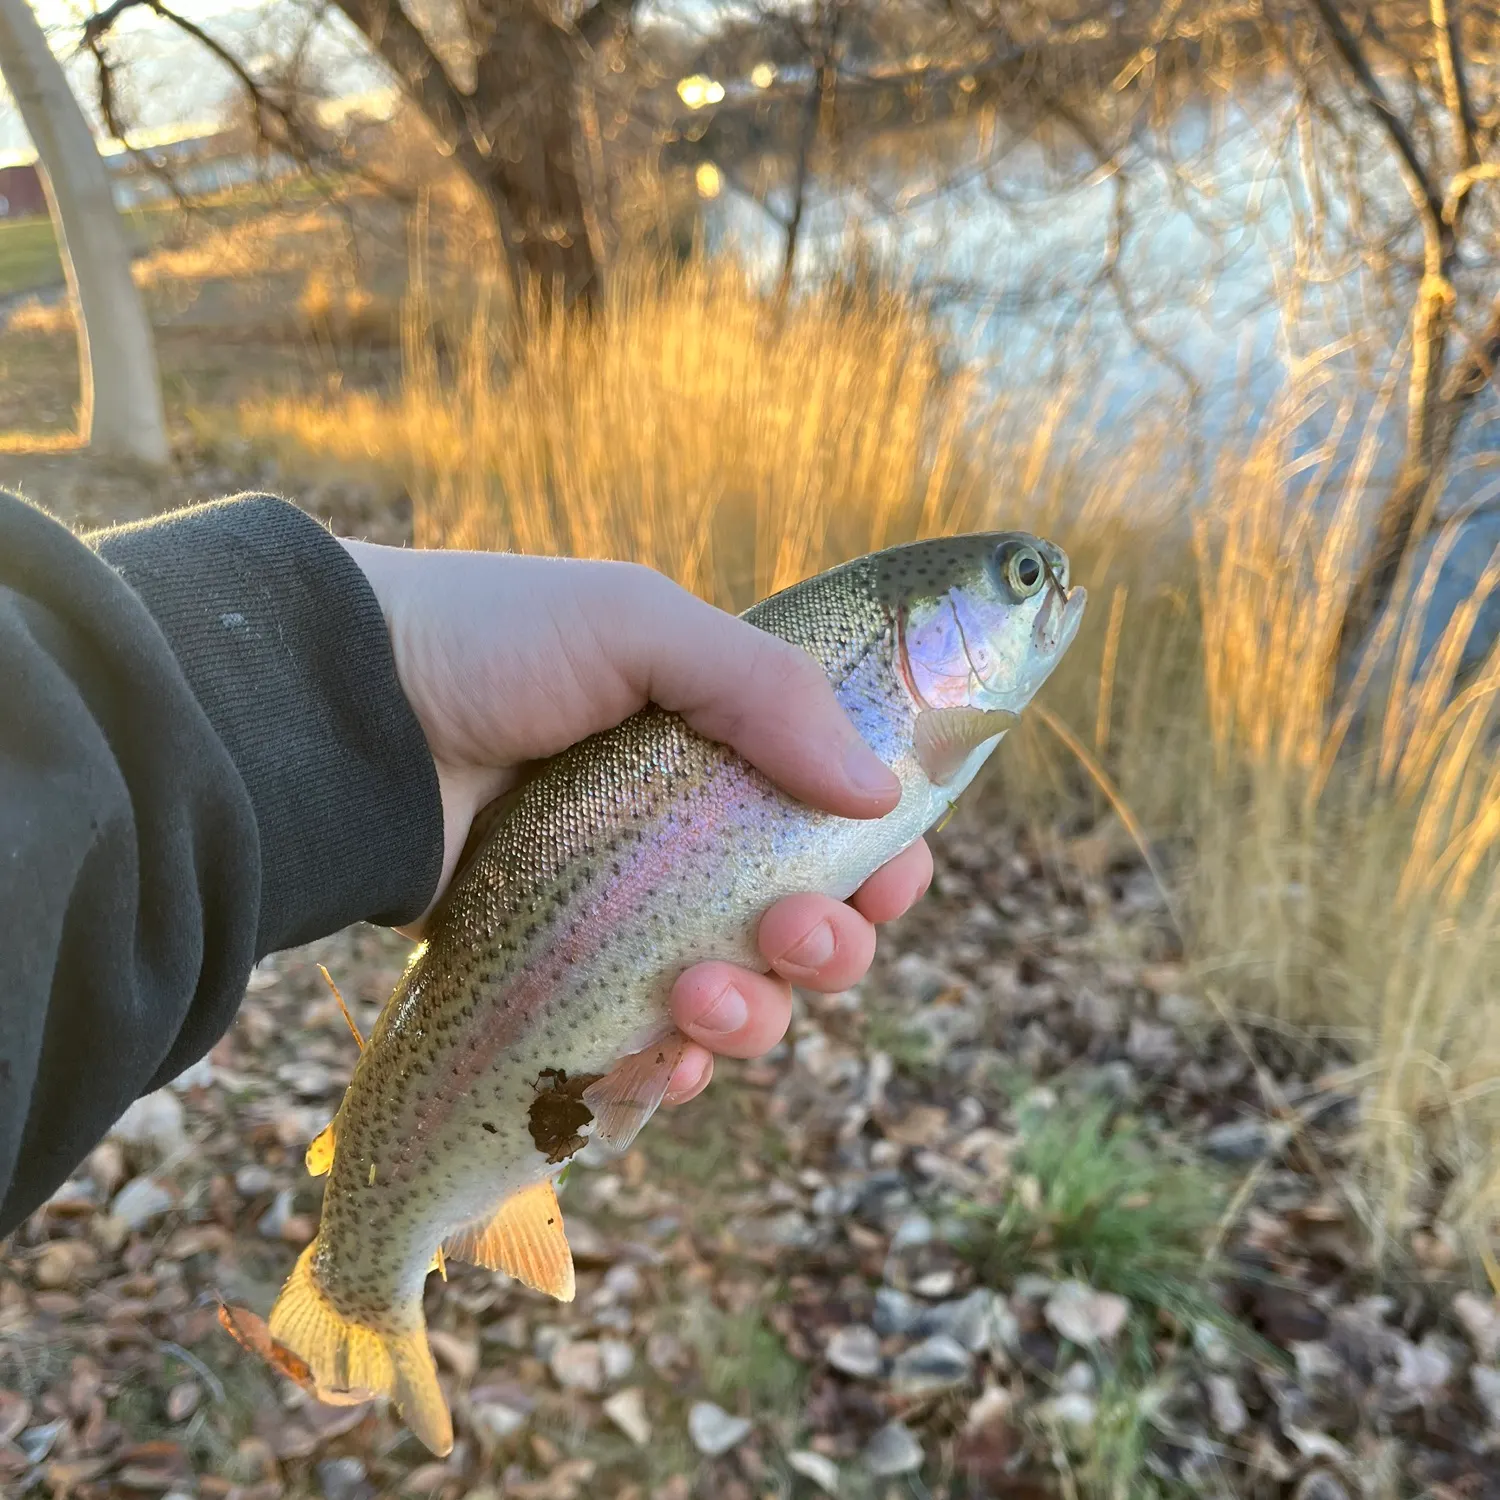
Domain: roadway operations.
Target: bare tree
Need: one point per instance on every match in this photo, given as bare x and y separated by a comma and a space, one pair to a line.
509, 89
120, 407
1440, 167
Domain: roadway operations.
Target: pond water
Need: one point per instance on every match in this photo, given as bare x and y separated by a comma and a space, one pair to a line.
1213, 322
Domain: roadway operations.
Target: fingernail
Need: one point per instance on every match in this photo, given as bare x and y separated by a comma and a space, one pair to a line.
867, 773
727, 1014
813, 951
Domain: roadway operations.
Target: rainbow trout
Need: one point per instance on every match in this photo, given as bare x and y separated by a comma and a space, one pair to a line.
535, 1016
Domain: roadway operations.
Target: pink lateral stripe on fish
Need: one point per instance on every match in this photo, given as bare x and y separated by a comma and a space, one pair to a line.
535, 1016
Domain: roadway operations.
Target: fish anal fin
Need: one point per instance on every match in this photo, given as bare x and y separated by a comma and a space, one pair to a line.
351, 1362
628, 1095
319, 1156
525, 1239
944, 738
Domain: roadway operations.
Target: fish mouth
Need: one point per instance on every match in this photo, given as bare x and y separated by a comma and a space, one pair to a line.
1058, 619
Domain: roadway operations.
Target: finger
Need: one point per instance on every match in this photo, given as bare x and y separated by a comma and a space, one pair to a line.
731, 1010
690, 1077
897, 886
747, 689
817, 942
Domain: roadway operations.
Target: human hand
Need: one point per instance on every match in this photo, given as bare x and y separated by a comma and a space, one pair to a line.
508, 659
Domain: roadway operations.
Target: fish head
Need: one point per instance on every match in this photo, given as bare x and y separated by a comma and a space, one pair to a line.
982, 620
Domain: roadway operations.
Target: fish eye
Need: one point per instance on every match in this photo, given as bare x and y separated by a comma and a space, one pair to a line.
1024, 571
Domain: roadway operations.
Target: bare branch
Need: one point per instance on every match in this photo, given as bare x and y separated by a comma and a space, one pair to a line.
1418, 180
1455, 86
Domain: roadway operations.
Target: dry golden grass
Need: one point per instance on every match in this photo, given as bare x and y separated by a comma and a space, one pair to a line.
1334, 870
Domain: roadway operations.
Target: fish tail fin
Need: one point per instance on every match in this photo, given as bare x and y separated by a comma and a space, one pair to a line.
350, 1360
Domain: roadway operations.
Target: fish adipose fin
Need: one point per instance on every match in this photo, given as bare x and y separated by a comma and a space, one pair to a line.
525, 1239
627, 1096
351, 1362
944, 738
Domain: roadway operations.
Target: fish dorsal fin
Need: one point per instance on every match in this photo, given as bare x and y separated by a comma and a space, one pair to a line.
525, 1239
627, 1096
944, 738
319, 1156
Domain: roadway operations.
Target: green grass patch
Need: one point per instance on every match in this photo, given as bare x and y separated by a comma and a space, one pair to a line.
742, 1358
28, 256
1097, 1200
1109, 1461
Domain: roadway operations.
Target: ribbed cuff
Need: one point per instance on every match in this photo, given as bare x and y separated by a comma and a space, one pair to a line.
284, 644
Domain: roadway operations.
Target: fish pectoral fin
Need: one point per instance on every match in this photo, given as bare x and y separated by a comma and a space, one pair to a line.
525, 1239
319, 1156
944, 738
628, 1095
351, 1362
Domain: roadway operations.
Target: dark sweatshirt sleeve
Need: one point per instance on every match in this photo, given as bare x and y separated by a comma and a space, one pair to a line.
205, 755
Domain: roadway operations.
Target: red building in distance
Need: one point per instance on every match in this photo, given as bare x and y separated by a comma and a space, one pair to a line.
21, 192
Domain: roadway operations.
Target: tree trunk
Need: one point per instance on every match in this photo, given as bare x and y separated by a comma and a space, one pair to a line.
532, 157
818, 108
120, 407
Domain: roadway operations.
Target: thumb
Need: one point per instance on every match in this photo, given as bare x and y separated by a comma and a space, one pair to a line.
765, 698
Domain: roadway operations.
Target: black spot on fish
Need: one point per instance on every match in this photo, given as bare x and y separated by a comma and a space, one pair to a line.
488, 1126
558, 1112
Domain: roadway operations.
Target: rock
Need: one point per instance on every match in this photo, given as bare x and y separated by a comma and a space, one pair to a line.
713, 1430
918, 980
1179, 1009
836, 1200
893, 1450
1215, 1349
966, 1320
627, 1410
855, 1350
306, 1079
1486, 1382
56, 1265
787, 1230
253, 1180
933, 1365
814, 1466
153, 1120
1086, 1317
182, 1400
1030, 1287
272, 1224
494, 1421
1074, 1409
1238, 1141
343, 1479
914, 1230
578, 1366
935, 1283
1320, 1485
107, 1166
1224, 1402
664, 1351
1151, 1045
622, 1281
617, 1357
1479, 1317
994, 1405
895, 1312
1424, 1370
460, 1355
198, 1075
141, 1200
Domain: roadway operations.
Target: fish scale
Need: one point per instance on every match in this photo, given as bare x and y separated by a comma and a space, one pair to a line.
536, 1014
